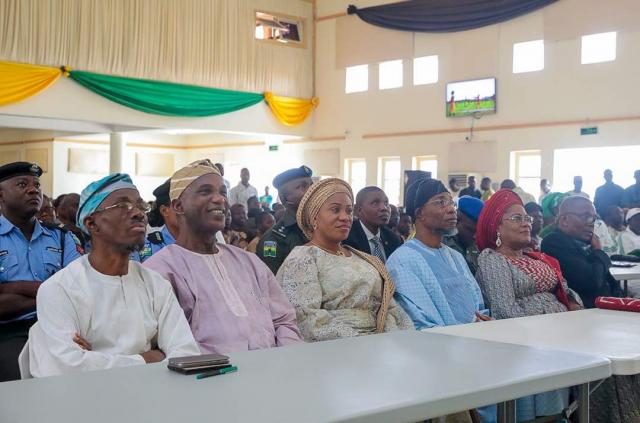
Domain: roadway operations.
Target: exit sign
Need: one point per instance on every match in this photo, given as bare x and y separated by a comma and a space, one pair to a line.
273, 148
593, 130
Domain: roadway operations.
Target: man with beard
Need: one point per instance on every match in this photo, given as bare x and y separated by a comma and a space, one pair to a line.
231, 300
276, 244
369, 232
104, 310
29, 254
433, 282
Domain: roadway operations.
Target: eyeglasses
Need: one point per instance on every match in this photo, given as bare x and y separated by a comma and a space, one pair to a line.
127, 206
520, 219
443, 203
585, 217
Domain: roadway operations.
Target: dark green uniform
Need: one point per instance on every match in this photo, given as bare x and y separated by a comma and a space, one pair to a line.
276, 244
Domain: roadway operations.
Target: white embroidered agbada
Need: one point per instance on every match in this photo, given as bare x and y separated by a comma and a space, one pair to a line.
121, 317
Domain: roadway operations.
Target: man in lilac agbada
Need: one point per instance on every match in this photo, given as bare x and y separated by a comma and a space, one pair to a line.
231, 299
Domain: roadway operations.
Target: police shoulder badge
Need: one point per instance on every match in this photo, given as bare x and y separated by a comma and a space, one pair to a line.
270, 249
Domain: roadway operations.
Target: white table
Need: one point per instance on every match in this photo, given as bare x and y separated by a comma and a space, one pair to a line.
625, 274
614, 335
401, 376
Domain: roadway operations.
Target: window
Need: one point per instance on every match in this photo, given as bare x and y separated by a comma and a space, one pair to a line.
571, 162
528, 56
355, 172
390, 74
278, 28
598, 48
525, 170
426, 163
357, 79
425, 70
390, 176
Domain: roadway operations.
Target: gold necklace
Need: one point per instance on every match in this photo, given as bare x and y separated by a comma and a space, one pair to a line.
335, 253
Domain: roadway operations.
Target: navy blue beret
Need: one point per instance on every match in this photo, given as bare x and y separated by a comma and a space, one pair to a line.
470, 206
290, 175
162, 193
11, 170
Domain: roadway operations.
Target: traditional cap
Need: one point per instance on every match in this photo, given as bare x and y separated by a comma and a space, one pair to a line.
314, 198
11, 170
185, 176
491, 216
631, 213
420, 192
95, 193
470, 206
291, 174
162, 193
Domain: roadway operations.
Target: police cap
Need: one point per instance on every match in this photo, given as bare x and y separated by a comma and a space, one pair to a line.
11, 170
162, 193
290, 175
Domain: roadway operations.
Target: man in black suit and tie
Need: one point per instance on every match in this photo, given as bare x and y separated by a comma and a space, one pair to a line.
369, 233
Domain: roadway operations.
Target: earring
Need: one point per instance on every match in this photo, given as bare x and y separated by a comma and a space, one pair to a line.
315, 226
498, 241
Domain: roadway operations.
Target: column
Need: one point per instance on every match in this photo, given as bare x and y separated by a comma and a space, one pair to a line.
116, 152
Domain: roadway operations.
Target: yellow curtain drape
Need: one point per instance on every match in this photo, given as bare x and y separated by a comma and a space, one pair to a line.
290, 111
19, 81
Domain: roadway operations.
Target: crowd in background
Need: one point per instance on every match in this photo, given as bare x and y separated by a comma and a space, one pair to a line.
105, 279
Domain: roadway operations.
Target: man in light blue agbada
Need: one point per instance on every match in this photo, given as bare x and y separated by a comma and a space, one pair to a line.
433, 282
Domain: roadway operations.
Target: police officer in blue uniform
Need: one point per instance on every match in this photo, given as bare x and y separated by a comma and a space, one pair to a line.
160, 215
30, 252
276, 244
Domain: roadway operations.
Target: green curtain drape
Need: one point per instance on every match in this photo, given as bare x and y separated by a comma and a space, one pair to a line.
165, 98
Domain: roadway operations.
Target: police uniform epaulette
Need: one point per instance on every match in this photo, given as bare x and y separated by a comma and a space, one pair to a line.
54, 226
279, 230
155, 237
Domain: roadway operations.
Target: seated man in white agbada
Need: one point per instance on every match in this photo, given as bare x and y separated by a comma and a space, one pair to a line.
105, 311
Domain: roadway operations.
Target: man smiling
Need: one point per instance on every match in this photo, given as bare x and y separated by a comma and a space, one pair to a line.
103, 310
231, 299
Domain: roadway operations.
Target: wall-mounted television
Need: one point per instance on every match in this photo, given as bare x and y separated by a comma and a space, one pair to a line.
466, 98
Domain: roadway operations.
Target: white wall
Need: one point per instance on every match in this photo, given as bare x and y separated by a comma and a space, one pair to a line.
411, 121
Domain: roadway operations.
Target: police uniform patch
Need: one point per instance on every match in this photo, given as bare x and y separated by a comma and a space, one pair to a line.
270, 249
145, 253
4, 253
54, 249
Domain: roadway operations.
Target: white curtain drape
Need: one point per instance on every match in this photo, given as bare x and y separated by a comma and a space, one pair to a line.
201, 42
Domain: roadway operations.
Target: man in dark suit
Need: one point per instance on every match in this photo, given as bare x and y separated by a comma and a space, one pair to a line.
369, 232
584, 265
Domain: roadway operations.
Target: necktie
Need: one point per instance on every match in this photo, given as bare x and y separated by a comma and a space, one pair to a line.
377, 249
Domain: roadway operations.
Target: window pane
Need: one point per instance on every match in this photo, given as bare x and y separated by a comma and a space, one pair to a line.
528, 57
530, 185
357, 79
429, 165
598, 48
391, 181
529, 166
390, 74
357, 174
425, 70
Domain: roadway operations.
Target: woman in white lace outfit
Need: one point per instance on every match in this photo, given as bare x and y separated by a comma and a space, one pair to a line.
337, 291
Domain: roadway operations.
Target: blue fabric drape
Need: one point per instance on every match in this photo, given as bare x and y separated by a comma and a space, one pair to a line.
445, 15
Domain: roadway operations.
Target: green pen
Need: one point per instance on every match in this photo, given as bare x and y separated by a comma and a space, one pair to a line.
217, 372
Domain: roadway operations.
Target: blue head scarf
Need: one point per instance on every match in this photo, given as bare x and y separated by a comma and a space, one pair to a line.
95, 193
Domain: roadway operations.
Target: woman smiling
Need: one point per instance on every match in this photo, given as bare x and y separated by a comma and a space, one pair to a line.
337, 291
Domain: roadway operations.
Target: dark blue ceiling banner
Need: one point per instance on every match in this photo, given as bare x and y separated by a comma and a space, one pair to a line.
445, 15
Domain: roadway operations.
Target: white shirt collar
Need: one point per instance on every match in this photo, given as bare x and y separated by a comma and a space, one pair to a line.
368, 233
